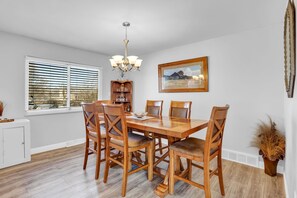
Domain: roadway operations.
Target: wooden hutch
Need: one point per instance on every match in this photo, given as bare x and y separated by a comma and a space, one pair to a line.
122, 93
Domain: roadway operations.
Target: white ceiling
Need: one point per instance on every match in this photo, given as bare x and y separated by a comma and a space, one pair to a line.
96, 25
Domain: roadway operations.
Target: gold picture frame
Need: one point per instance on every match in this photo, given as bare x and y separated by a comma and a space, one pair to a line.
289, 48
189, 75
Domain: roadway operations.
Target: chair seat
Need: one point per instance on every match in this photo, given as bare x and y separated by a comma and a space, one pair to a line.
134, 140
102, 132
190, 146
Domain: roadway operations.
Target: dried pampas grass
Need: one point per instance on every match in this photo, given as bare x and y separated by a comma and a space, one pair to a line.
270, 141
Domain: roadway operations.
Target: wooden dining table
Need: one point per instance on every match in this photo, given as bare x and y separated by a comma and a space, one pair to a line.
174, 129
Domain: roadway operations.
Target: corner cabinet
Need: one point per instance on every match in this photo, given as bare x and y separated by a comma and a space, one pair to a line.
14, 142
122, 93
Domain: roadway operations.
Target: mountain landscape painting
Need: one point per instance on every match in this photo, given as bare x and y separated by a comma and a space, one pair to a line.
184, 76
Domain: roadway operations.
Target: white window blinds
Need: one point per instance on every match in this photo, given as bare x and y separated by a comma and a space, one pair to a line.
59, 85
47, 86
83, 86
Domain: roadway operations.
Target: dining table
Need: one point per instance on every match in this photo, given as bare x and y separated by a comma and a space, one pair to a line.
174, 129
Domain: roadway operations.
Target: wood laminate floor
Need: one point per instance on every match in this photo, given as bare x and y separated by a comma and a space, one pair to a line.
59, 174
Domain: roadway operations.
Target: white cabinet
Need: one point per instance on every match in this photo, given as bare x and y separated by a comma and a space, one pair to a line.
14, 142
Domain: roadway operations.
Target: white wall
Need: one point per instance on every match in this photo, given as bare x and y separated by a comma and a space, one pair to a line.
291, 139
245, 71
45, 129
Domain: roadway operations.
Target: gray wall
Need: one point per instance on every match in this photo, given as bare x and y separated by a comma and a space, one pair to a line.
45, 129
245, 71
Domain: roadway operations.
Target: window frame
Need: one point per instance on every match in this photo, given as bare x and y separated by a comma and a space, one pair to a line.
68, 109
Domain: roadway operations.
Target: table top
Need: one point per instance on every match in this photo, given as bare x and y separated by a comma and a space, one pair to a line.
169, 126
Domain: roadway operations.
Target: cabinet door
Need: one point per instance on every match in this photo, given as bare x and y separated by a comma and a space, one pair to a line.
14, 146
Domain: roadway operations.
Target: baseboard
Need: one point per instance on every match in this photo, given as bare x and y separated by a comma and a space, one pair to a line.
57, 146
247, 159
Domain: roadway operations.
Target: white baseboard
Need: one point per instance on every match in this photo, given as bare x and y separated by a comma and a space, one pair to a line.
248, 159
57, 146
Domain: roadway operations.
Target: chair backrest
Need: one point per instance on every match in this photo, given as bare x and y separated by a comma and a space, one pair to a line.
91, 118
154, 107
99, 104
115, 122
215, 130
180, 109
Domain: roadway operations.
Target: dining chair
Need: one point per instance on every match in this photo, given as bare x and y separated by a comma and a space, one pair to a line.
201, 151
180, 109
117, 137
99, 108
154, 108
94, 132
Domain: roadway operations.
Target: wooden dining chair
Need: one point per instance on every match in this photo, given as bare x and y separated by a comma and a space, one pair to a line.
94, 132
99, 105
117, 137
201, 151
154, 108
180, 109
99, 109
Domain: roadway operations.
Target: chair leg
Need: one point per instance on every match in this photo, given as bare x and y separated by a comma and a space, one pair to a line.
154, 149
98, 159
206, 181
171, 171
220, 174
86, 153
146, 148
125, 173
129, 161
189, 164
160, 145
107, 162
95, 146
150, 161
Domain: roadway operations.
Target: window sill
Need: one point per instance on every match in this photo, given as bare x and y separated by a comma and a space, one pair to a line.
52, 111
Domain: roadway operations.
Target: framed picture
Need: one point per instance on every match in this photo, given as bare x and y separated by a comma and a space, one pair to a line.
289, 46
184, 76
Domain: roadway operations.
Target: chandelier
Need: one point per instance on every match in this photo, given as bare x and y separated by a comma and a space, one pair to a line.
125, 63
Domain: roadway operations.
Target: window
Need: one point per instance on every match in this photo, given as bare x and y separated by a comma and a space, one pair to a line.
53, 86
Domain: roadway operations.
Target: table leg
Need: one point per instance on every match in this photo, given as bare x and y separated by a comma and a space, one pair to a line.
162, 188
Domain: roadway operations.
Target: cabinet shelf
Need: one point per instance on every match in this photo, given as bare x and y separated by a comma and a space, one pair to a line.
122, 90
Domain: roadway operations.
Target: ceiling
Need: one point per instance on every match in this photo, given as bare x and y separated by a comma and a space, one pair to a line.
96, 25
